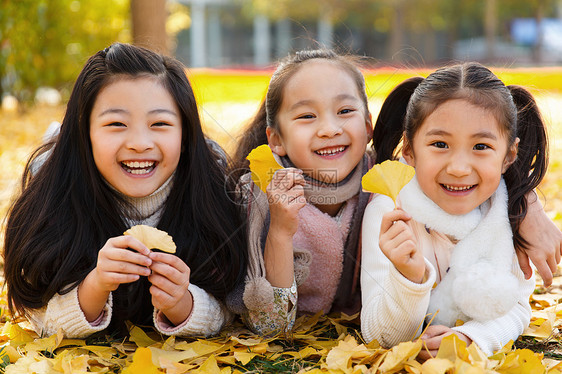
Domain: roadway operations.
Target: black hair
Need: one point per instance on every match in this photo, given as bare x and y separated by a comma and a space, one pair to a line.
515, 109
66, 212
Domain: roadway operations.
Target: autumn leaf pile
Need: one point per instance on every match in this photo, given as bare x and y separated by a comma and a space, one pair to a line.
319, 344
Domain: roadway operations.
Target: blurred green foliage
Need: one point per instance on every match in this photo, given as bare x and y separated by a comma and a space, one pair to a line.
46, 42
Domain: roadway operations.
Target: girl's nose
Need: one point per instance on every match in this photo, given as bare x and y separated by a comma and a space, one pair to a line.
330, 127
459, 165
140, 140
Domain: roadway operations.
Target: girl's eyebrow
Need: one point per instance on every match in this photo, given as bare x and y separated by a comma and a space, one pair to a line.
111, 111
433, 132
301, 103
485, 134
338, 98
124, 111
481, 134
342, 97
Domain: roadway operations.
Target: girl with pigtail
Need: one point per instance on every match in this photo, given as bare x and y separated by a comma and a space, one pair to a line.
446, 253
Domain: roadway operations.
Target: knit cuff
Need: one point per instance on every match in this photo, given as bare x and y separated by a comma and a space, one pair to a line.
64, 312
480, 336
207, 317
412, 287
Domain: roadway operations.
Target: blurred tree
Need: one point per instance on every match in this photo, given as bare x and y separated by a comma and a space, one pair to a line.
149, 24
46, 42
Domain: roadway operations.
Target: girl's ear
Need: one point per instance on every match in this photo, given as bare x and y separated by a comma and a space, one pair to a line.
369, 124
408, 151
511, 155
275, 141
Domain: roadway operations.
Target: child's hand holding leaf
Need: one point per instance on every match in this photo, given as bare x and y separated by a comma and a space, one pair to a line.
396, 239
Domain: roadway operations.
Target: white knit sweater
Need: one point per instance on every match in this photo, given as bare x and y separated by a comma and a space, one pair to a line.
394, 308
207, 317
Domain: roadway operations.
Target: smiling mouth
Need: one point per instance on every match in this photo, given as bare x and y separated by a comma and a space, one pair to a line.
330, 151
138, 167
458, 189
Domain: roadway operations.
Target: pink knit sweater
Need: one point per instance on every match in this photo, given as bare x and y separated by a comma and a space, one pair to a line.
325, 238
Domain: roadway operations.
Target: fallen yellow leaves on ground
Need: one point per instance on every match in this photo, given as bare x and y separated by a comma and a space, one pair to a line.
320, 344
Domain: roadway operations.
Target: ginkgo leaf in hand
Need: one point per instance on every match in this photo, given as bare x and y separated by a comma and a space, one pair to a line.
152, 238
262, 165
388, 178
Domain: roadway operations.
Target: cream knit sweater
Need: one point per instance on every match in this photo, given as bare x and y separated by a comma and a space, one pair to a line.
63, 311
394, 308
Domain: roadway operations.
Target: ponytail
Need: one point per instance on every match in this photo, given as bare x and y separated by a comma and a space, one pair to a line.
529, 168
390, 121
254, 135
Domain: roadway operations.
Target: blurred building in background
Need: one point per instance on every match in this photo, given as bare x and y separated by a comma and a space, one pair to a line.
399, 32
45, 43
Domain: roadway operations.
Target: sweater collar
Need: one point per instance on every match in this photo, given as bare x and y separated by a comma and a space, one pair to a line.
322, 193
146, 209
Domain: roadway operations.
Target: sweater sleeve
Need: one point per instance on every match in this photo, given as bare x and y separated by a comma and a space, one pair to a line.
64, 312
393, 308
492, 335
279, 317
207, 317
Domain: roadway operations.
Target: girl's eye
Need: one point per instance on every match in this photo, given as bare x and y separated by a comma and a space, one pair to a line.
305, 116
116, 124
481, 147
346, 111
160, 124
439, 144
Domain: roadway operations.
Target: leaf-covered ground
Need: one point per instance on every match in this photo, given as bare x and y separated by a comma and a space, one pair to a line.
319, 343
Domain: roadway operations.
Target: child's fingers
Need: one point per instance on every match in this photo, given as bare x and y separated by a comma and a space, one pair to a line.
123, 267
112, 254
170, 267
128, 241
390, 218
397, 233
435, 330
285, 179
524, 264
170, 281
119, 278
171, 260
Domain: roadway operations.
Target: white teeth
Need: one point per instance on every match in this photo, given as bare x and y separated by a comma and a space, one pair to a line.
138, 172
138, 167
453, 188
330, 151
137, 164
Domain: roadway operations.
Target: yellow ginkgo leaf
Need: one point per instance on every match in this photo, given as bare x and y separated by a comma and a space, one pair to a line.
341, 357
452, 348
437, 366
142, 363
17, 334
388, 178
397, 356
244, 357
140, 338
262, 165
152, 238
